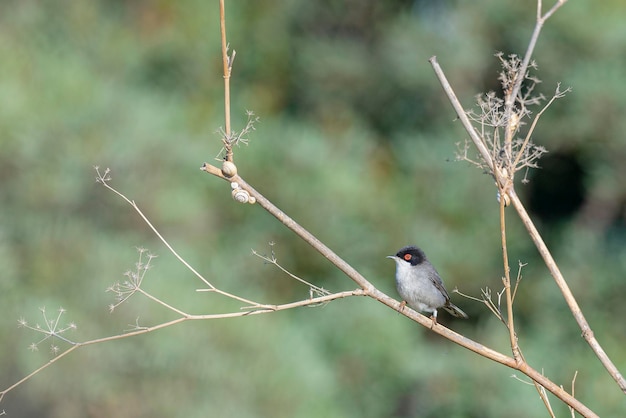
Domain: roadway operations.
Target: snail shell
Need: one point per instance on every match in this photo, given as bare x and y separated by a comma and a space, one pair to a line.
507, 199
229, 169
240, 195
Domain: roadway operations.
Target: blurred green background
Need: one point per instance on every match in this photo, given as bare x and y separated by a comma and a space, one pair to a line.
355, 142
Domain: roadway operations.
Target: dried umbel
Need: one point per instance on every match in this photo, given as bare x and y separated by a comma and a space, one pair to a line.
500, 121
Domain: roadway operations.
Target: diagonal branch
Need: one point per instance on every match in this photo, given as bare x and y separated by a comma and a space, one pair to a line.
587, 332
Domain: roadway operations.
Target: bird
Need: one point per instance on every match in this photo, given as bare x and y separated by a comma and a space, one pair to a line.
419, 284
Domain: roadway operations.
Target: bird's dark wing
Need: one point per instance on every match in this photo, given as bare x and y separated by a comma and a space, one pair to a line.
436, 280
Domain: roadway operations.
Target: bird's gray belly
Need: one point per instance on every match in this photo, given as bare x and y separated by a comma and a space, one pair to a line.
422, 296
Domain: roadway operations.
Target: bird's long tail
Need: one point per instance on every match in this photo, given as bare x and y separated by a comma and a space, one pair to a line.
455, 311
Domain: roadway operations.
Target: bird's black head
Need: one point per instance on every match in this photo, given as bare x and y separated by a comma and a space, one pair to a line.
411, 255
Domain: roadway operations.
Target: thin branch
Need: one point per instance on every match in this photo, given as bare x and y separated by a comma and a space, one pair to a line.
518, 279
587, 332
228, 65
557, 95
104, 178
274, 261
541, 20
495, 309
162, 303
515, 348
144, 330
304, 234
467, 123
573, 392
507, 285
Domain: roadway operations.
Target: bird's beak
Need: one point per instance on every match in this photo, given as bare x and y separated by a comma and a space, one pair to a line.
393, 257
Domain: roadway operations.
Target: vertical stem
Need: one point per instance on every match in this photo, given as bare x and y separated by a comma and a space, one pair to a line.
227, 67
515, 349
507, 282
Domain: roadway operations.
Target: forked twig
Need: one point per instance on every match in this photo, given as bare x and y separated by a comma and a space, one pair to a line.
319, 291
104, 178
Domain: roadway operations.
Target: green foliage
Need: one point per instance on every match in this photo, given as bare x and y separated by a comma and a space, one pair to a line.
354, 142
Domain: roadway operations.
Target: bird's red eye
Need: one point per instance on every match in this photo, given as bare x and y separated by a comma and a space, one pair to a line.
407, 257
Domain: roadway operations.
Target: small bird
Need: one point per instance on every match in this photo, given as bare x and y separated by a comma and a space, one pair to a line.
419, 284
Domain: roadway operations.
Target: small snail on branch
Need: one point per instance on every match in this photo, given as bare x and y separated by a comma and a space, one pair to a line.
229, 169
240, 195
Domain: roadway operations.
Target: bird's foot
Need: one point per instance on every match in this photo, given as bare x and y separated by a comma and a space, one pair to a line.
433, 318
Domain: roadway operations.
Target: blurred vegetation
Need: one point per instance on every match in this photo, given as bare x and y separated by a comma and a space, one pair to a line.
354, 142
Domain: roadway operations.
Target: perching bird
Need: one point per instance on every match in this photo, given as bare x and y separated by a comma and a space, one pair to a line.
419, 284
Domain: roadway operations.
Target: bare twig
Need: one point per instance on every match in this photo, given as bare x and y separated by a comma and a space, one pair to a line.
540, 21
557, 95
104, 178
227, 62
467, 123
319, 291
518, 279
510, 295
572, 411
186, 317
507, 286
587, 332
229, 139
487, 300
